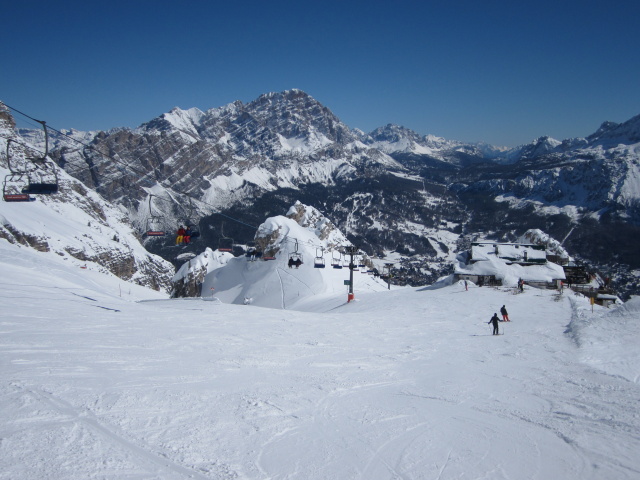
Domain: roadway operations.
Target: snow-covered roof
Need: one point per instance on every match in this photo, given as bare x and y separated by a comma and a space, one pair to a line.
515, 252
507, 270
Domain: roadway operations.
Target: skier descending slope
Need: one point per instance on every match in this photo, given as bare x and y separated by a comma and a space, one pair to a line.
495, 321
505, 314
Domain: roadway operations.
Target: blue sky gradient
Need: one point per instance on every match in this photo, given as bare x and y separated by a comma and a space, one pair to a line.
495, 71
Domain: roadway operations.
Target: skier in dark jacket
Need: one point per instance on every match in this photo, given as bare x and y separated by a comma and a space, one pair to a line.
505, 315
495, 321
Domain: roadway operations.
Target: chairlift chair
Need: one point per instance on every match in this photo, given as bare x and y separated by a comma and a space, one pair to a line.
336, 261
194, 232
12, 189
44, 179
41, 187
295, 256
152, 230
318, 262
253, 254
189, 222
153, 222
225, 244
251, 251
20, 182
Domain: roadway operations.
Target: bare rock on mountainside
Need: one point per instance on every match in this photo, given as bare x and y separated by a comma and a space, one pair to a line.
75, 223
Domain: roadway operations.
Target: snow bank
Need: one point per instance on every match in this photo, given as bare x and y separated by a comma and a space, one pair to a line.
607, 338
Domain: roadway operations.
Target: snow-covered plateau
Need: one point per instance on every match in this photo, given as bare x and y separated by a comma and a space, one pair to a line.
104, 379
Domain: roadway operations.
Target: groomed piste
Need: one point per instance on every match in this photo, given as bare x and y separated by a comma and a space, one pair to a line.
104, 379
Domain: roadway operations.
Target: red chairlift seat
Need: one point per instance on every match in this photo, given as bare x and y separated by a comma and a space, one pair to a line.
17, 197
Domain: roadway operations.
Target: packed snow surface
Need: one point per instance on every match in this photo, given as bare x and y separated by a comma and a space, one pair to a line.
101, 379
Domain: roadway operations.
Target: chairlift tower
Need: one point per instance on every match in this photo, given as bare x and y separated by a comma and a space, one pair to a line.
388, 267
351, 251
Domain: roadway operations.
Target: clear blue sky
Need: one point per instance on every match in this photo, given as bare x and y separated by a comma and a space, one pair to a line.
503, 72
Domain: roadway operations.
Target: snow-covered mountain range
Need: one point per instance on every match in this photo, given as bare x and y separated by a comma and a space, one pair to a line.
391, 189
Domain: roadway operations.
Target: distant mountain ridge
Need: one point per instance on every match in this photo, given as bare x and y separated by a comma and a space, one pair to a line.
391, 189
289, 139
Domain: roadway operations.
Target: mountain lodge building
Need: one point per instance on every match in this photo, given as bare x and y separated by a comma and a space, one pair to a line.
492, 263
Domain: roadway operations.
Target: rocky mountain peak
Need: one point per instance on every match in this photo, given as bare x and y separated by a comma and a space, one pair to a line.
395, 139
6, 119
625, 133
540, 146
394, 133
296, 114
310, 218
301, 224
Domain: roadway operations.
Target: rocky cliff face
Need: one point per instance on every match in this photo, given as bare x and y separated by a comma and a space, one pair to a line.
269, 237
75, 223
221, 156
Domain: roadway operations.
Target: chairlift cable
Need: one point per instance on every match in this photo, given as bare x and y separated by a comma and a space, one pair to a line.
133, 169
142, 174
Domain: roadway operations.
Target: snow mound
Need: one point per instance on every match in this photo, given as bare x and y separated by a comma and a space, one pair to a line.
607, 338
270, 281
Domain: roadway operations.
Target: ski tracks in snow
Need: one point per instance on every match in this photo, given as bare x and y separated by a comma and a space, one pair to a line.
282, 288
156, 463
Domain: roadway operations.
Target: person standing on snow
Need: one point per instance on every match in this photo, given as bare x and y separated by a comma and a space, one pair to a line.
495, 321
505, 315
